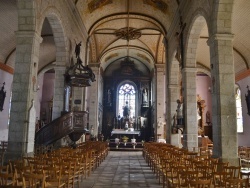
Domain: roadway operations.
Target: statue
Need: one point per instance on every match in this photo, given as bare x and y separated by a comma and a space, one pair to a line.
174, 125
2, 97
126, 110
208, 120
78, 49
109, 97
179, 113
247, 97
144, 95
198, 114
174, 120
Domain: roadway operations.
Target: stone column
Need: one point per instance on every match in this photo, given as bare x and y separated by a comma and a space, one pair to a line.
23, 94
173, 93
190, 135
223, 98
58, 100
160, 98
93, 93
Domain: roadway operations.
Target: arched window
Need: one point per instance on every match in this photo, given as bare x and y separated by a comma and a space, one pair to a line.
126, 99
239, 110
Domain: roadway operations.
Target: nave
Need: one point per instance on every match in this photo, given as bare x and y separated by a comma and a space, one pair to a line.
122, 169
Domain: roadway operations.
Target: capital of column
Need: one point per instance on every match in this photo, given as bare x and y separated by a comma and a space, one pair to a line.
29, 34
189, 69
173, 86
95, 67
159, 67
92, 65
220, 36
59, 68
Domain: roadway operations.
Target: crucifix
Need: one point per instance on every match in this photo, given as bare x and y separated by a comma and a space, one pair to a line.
180, 49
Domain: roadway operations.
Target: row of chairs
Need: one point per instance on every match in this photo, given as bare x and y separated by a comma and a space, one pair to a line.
244, 155
176, 167
65, 167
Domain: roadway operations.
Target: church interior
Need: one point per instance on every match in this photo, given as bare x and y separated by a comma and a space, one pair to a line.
125, 74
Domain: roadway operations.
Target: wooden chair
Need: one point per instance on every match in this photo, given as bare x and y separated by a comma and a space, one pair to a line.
166, 171
6, 179
236, 183
69, 175
204, 171
185, 177
53, 177
200, 183
31, 180
85, 163
175, 175
235, 170
219, 178
4, 169
221, 165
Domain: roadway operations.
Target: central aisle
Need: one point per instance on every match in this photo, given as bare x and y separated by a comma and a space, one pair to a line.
122, 169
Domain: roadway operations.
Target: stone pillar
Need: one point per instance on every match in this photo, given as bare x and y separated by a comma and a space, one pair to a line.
23, 93
160, 98
93, 93
67, 92
190, 135
223, 98
173, 93
58, 100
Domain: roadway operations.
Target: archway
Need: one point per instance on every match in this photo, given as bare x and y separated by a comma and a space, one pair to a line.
189, 74
54, 39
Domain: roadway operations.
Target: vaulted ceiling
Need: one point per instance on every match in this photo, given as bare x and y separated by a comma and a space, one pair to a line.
118, 29
121, 28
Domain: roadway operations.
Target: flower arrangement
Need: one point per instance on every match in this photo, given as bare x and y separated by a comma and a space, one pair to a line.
142, 142
108, 141
125, 138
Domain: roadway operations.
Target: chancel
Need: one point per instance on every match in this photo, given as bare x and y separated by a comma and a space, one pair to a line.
82, 78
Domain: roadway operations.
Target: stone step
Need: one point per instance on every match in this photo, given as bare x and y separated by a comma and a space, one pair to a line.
124, 149
127, 147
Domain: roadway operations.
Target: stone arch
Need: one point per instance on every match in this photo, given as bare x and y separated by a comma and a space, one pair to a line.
204, 70
189, 70
192, 38
45, 69
56, 21
59, 34
222, 16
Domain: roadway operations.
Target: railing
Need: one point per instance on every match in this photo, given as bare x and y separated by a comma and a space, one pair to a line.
72, 124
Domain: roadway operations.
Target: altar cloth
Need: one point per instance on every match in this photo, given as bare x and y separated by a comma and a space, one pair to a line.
117, 131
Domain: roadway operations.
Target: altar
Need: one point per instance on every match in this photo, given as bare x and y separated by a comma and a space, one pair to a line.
124, 132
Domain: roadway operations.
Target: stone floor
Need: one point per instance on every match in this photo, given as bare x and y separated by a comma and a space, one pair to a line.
122, 169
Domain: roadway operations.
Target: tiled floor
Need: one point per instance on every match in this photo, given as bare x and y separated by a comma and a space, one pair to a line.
122, 169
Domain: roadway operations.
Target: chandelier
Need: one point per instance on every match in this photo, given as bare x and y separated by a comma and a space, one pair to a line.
128, 33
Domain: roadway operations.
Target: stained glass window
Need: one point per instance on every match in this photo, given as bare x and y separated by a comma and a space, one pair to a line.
239, 111
126, 99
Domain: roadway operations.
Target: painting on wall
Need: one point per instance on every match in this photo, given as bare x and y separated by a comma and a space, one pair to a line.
159, 4
95, 4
